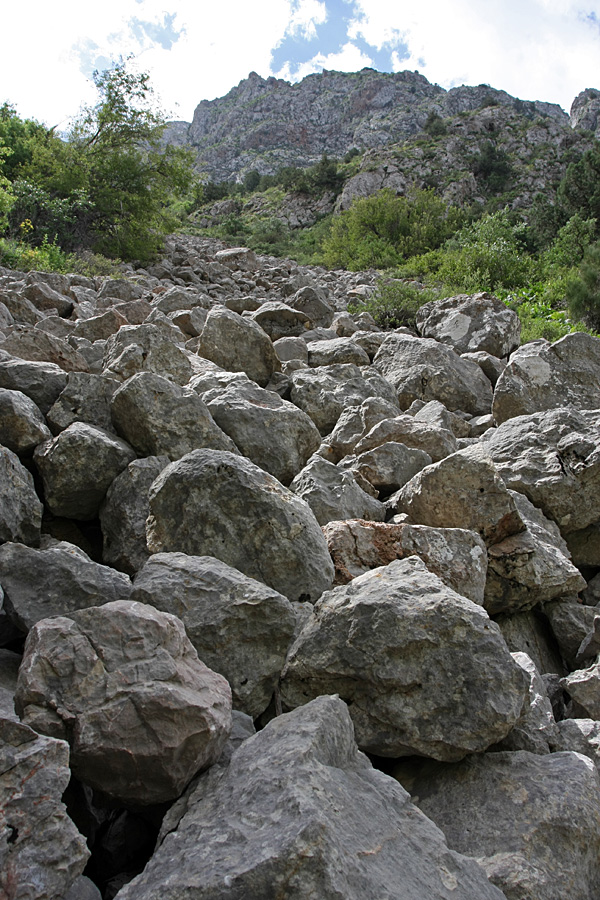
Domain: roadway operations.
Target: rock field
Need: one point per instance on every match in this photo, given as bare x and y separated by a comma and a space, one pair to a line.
292, 608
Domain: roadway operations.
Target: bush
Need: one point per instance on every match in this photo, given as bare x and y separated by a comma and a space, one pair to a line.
583, 294
394, 304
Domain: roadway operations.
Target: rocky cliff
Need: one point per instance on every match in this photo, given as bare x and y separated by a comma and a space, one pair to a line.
265, 124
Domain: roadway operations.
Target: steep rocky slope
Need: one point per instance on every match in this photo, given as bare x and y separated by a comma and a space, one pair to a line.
247, 538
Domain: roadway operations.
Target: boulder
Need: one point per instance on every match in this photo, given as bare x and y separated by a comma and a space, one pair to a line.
20, 507
435, 413
528, 632
333, 493
553, 458
536, 731
240, 627
432, 439
273, 433
280, 321
324, 824
490, 365
42, 382
238, 344
471, 323
580, 736
388, 467
396, 644
532, 821
160, 418
70, 579
336, 350
456, 556
424, 369
124, 511
248, 520
100, 328
85, 398
583, 686
571, 622
40, 346
41, 851
356, 421
542, 376
147, 348
22, 426
77, 468
313, 302
463, 490
325, 392
123, 684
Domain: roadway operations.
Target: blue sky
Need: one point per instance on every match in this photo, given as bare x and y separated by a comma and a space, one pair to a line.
194, 50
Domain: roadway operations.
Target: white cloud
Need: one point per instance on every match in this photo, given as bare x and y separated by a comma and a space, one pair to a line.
348, 59
305, 18
534, 49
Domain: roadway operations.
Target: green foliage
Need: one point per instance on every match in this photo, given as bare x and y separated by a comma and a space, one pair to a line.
583, 294
395, 303
62, 219
48, 257
381, 230
570, 243
19, 137
435, 125
579, 190
6, 194
491, 167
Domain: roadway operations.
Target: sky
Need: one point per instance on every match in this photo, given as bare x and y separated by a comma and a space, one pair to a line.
194, 50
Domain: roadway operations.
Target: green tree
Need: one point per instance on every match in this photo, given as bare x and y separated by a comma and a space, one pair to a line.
579, 190
583, 292
19, 137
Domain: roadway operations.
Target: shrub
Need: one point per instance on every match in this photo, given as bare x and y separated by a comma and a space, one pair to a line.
583, 294
395, 303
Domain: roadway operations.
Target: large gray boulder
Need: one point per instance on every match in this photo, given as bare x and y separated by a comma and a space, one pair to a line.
532, 821
455, 555
543, 376
123, 684
536, 731
463, 490
41, 851
336, 350
20, 506
212, 503
42, 382
354, 422
273, 433
22, 426
240, 627
388, 467
333, 493
160, 418
54, 582
325, 392
152, 347
40, 346
323, 824
124, 511
404, 429
86, 398
397, 644
471, 323
424, 369
553, 458
238, 345
77, 468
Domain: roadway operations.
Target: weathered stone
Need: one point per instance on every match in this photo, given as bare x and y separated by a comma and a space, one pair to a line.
248, 520
389, 466
324, 393
20, 507
324, 824
239, 627
584, 545
532, 821
571, 622
583, 686
238, 344
355, 422
44, 297
396, 644
22, 426
470, 323
70, 579
424, 369
238, 258
41, 851
279, 321
273, 433
147, 348
124, 512
437, 442
333, 493
337, 350
463, 490
41, 382
99, 328
456, 556
313, 302
160, 418
124, 685
39, 346
435, 413
77, 468
491, 366
536, 729
120, 289
9, 670
288, 348
579, 736
86, 398
542, 376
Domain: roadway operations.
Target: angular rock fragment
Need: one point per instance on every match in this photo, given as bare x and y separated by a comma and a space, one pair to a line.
471, 323
77, 468
54, 582
238, 345
455, 555
85, 398
39, 346
323, 824
124, 512
536, 731
336, 350
280, 321
355, 422
42, 382
333, 493
532, 821
41, 851
22, 426
437, 442
248, 520
20, 507
396, 644
240, 627
125, 687
424, 369
388, 467
147, 348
